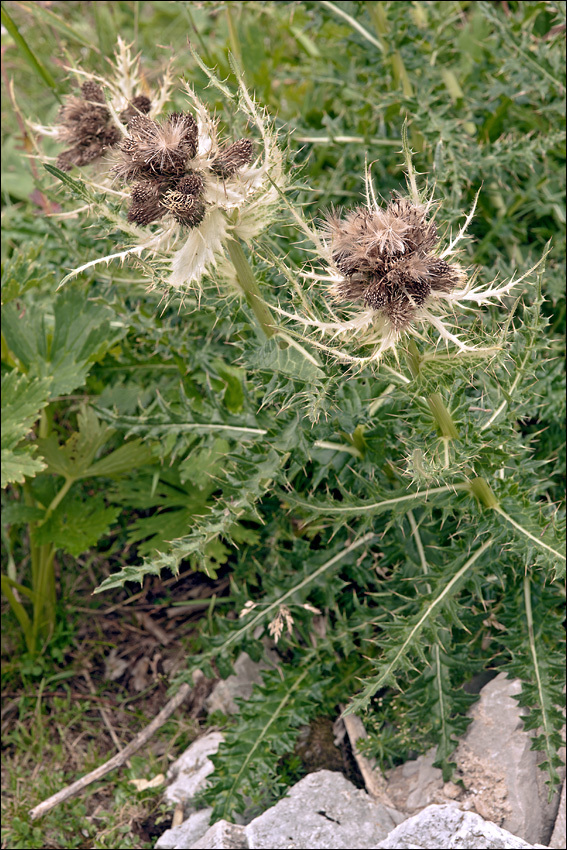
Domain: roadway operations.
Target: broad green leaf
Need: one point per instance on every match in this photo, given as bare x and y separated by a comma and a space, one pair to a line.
80, 335
75, 525
16, 513
74, 458
20, 464
22, 401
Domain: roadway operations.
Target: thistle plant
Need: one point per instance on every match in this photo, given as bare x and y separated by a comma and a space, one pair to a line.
382, 486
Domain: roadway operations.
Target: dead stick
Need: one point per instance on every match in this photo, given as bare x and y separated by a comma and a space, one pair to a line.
116, 761
373, 777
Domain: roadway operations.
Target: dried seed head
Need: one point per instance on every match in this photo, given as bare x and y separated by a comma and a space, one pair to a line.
232, 157
191, 184
158, 149
385, 258
146, 206
92, 91
86, 124
187, 209
140, 105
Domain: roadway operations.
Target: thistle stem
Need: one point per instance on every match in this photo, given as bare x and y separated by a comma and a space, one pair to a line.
250, 288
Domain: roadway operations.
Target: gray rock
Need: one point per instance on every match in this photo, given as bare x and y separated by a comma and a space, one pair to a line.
416, 784
247, 673
558, 838
189, 772
187, 833
222, 836
452, 829
323, 810
498, 768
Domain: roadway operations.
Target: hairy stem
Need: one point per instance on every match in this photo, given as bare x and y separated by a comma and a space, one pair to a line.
251, 289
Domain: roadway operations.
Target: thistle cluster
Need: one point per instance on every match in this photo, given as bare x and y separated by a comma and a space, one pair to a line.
161, 159
386, 258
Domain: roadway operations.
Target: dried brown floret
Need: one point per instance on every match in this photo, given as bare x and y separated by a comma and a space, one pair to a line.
232, 157
146, 206
92, 91
187, 209
86, 124
158, 149
140, 105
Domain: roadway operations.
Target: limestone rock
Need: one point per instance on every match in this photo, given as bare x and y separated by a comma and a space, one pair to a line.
558, 838
452, 829
323, 810
500, 771
188, 773
416, 784
222, 836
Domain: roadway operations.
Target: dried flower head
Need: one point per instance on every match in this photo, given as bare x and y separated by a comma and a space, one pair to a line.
200, 193
87, 125
157, 149
387, 259
385, 267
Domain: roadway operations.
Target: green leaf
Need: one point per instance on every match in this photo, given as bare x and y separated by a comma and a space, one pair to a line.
201, 466
74, 458
22, 401
76, 186
22, 270
76, 526
80, 335
16, 513
288, 361
19, 465
234, 378
131, 455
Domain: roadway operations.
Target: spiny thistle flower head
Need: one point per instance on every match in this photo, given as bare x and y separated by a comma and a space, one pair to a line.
188, 192
162, 157
384, 273
387, 260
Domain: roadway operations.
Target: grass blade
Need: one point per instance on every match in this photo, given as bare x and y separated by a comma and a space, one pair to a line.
27, 53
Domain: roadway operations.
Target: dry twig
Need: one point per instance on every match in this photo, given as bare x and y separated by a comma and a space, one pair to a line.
116, 761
